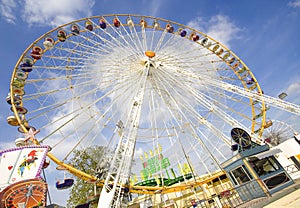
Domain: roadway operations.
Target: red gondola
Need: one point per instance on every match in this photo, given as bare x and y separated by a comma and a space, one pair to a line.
169, 28
195, 37
116, 22
89, 25
36, 52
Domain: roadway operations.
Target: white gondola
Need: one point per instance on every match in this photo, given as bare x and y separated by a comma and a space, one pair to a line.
19, 142
48, 43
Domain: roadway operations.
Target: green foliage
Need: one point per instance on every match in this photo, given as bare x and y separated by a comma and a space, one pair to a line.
85, 161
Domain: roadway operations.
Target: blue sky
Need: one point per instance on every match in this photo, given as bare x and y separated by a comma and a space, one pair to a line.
263, 33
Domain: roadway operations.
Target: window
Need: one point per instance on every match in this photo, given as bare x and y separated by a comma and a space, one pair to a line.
264, 166
240, 175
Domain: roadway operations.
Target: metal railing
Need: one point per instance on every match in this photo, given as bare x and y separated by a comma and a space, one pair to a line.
234, 197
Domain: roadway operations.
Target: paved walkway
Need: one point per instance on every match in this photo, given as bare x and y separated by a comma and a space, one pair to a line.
290, 200
286, 198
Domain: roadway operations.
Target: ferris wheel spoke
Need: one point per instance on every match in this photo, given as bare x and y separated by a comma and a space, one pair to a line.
79, 48
203, 145
134, 34
103, 47
238, 112
211, 108
72, 51
126, 45
216, 146
127, 35
57, 92
65, 116
218, 92
144, 38
153, 32
293, 108
194, 114
83, 137
100, 125
186, 109
131, 39
160, 41
107, 46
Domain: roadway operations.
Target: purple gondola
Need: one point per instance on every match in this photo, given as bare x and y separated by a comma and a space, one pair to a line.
102, 23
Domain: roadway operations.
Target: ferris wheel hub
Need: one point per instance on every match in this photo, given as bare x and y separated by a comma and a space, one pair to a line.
150, 54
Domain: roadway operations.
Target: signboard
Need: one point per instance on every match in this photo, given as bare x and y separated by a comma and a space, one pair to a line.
21, 163
154, 165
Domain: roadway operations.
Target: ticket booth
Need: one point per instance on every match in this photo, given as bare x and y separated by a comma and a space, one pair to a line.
254, 171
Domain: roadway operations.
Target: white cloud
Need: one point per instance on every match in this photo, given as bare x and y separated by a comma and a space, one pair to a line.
294, 4
52, 12
219, 27
7, 145
293, 92
7, 8
293, 88
151, 7
46, 12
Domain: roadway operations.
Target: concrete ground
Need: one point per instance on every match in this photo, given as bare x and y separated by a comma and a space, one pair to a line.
287, 198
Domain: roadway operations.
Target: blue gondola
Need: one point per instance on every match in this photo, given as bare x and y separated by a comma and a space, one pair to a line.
26, 65
102, 23
67, 183
183, 33
75, 29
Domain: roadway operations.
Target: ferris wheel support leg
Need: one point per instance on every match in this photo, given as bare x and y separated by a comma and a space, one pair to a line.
105, 199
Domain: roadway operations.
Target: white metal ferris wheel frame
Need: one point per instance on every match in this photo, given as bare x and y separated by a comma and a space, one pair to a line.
279, 132
253, 92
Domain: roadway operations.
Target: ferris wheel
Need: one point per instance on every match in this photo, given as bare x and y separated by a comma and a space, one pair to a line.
158, 95
278, 132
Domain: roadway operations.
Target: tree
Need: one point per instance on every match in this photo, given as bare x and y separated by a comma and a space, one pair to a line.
87, 161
